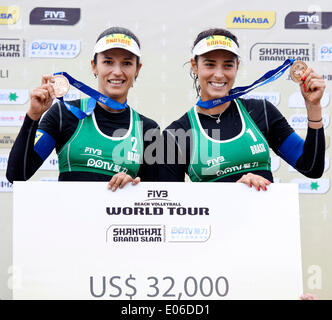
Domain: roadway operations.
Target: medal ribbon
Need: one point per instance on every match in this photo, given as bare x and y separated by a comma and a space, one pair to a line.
239, 91
95, 96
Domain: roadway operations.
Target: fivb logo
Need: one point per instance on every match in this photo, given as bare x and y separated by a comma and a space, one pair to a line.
308, 20
55, 16
157, 194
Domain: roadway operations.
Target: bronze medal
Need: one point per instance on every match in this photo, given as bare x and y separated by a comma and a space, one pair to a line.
297, 70
60, 85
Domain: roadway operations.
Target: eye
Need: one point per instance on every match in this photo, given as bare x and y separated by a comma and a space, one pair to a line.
229, 66
127, 63
107, 61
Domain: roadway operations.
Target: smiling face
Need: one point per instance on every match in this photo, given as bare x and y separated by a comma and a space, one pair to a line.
116, 70
216, 72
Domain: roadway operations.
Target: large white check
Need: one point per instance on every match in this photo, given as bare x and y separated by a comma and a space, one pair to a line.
75, 240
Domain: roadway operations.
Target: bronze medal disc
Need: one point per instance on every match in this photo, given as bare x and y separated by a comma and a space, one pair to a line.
60, 84
297, 69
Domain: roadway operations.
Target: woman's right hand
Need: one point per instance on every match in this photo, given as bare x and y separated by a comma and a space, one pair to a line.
41, 98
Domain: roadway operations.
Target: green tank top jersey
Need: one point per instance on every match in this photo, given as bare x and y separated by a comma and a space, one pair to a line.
214, 159
90, 150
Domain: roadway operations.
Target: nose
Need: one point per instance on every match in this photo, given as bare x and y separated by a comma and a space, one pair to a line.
219, 73
117, 70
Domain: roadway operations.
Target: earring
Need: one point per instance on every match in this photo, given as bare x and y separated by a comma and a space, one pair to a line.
95, 76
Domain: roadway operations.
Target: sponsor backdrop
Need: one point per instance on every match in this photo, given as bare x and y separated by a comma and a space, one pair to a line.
37, 39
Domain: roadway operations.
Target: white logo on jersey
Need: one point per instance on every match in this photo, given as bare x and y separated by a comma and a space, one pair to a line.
257, 148
213, 162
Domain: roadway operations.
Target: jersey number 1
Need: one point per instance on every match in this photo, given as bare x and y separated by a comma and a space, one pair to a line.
252, 134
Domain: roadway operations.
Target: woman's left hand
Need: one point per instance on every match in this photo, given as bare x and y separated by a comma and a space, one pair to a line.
312, 87
255, 180
120, 179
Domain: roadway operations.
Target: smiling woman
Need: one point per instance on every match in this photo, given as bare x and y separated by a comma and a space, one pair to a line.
116, 71
218, 141
107, 145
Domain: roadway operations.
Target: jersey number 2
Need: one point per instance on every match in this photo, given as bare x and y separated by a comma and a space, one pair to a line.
134, 140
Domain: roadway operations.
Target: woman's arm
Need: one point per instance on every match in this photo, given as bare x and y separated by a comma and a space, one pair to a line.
32, 147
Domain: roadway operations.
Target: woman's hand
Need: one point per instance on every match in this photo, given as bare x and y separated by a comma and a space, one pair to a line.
308, 296
255, 180
312, 89
120, 179
41, 98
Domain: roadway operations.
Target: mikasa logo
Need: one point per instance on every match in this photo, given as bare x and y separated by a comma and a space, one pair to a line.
250, 19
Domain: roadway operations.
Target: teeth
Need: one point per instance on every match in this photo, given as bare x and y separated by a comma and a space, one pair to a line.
116, 81
218, 84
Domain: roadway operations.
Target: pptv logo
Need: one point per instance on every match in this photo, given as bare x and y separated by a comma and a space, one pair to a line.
300, 121
250, 19
325, 52
9, 14
63, 49
184, 233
